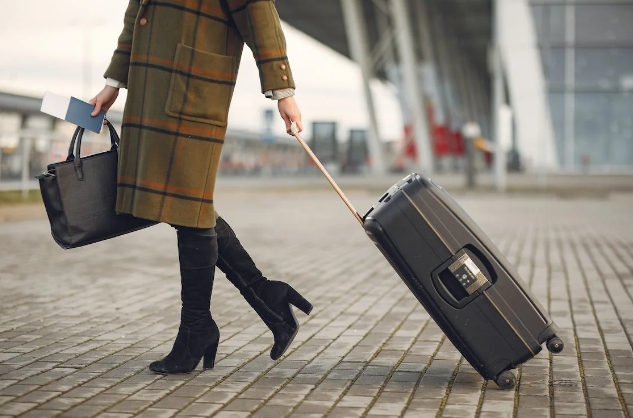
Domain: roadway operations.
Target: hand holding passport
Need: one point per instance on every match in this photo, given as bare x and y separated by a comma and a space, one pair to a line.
73, 110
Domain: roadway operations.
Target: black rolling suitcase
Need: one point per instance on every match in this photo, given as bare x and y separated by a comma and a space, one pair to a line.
459, 276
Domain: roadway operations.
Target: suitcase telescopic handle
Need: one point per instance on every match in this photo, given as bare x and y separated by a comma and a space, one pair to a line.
295, 132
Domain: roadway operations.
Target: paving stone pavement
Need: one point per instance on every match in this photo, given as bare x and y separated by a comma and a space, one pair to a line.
79, 327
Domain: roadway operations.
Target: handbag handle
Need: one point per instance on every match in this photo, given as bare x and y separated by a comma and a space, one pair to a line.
114, 140
74, 151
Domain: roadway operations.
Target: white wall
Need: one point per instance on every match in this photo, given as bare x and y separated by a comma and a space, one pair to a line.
526, 82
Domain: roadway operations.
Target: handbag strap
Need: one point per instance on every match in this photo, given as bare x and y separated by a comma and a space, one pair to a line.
74, 151
71, 149
78, 135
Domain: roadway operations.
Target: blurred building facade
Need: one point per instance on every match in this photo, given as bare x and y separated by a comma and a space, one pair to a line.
587, 53
549, 82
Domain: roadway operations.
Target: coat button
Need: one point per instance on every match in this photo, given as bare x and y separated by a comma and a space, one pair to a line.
143, 21
282, 66
284, 77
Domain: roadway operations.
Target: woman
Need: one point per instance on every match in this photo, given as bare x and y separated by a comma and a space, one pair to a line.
179, 61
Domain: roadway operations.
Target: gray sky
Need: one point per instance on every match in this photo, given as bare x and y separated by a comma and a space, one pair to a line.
43, 44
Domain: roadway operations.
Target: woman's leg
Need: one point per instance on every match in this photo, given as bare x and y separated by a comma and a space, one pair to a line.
270, 299
198, 335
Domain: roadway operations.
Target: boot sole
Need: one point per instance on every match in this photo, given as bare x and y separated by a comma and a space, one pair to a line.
167, 373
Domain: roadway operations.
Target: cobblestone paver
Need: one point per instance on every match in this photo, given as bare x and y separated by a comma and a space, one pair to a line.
78, 328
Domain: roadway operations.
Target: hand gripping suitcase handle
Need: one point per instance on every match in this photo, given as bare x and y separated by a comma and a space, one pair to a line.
295, 132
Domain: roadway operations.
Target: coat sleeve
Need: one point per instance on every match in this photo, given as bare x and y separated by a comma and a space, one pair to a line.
120, 64
259, 25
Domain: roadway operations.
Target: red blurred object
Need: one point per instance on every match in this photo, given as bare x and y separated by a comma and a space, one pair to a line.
458, 143
410, 149
441, 143
444, 141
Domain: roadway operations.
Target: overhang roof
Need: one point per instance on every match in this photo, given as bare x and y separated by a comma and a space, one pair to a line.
469, 21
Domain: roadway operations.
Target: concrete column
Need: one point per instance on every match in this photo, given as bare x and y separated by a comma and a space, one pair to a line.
358, 44
482, 104
462, 82
26, 143
570, 84
424, 28
454, 107
390, 64
497, 101
406, 49
474, 93
456, 104
470, 132
486, 105
527, 87
430, 57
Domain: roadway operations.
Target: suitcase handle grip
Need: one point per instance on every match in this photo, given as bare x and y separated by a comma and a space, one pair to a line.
295, 132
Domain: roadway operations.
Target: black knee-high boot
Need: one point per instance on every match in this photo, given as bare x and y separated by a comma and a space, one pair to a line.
270, 299
198, 335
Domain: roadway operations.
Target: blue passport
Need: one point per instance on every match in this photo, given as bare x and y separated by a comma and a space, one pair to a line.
72, 110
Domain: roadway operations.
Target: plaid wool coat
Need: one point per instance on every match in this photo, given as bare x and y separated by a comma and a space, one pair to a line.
179, 59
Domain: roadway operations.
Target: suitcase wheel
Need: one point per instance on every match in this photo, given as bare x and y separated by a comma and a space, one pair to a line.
506, 380
555, 345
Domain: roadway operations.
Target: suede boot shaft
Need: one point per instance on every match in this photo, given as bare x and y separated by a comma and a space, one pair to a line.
198, 335
197, 253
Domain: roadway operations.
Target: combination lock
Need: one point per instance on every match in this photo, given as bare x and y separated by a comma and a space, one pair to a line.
467, 274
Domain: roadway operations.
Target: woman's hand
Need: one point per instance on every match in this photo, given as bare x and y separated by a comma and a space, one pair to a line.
104, 100
289, 112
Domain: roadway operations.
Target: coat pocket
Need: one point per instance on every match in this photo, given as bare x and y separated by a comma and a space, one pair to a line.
201, 86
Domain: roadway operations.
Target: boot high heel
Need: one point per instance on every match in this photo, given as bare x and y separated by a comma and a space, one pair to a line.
209, 356
298, 301
189, 348
279, 296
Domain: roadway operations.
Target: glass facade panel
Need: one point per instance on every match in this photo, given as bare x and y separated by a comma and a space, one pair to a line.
603, 128
603, 68
537, 13
621, 129
555, 25
608, 23
554, 63
591, 116
550, 24
557, 108
602, 85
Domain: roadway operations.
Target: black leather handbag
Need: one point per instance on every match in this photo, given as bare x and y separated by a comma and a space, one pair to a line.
80, 196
